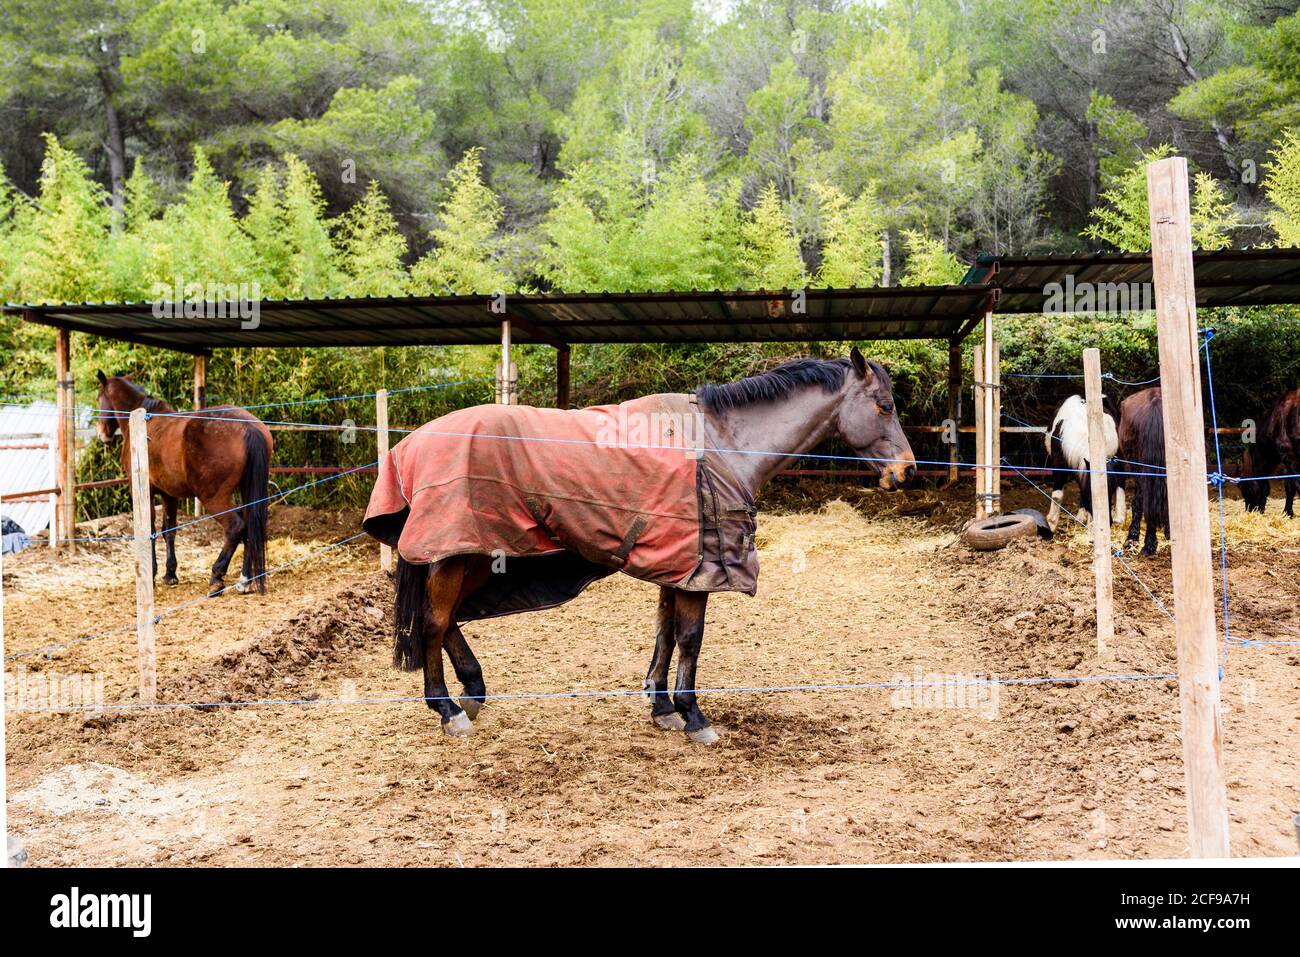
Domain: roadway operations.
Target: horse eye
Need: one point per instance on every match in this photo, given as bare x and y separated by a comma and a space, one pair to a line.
886, 408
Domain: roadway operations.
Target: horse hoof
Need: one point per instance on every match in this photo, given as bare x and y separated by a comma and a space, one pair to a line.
670, 722
705, 735
471, 706
648, 692
171, 580
215, 589
458, 725
242, 586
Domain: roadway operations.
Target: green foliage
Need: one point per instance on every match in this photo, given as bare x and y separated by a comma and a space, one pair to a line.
769, 255
1282, 186
928, 262
850, 229
371, 248
467, 244
1120, 134
1123, 219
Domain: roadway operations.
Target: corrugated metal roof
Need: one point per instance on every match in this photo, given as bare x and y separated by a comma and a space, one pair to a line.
1022, 283
929, 312
1229, 277
27, 462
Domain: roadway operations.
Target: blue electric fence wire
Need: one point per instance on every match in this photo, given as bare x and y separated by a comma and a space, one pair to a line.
276, 497
613, 693
1118, 552
159, 616
1109, 376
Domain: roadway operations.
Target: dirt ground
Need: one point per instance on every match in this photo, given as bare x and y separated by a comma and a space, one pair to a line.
874, 589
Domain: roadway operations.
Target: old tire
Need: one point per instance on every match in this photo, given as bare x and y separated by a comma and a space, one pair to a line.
998, 531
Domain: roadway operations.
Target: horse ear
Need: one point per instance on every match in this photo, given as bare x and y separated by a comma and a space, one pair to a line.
99, 374
860, 364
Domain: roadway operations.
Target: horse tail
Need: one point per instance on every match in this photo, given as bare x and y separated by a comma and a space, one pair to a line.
253, 486
1155, 487
411, 615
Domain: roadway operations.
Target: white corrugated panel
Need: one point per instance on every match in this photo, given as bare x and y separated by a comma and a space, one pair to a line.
27, 462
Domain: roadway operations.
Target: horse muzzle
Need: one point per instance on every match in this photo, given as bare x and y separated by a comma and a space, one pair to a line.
894, 475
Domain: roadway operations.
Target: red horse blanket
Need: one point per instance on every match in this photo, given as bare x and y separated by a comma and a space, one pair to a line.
561, 498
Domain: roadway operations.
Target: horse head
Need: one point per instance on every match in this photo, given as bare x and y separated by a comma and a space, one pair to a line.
867, 421
118, 395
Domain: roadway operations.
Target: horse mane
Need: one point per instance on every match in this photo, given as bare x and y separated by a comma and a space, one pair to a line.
147, 402
781, 381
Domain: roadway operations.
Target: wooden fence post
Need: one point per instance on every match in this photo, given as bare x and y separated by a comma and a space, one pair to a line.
142, 509
981, 473
65, 403
994, 419
1102, 569
1189, 519
954, 409
381, 440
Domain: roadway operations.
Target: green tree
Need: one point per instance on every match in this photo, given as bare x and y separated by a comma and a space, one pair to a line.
467, 245
371, 248
1123, 219
769, 256
928, 262
1282, 186
850, 232
66, 233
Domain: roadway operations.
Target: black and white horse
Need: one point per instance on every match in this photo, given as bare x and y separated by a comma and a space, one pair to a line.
1067, 454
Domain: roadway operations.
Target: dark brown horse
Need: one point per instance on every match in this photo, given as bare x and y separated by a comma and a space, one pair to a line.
1277, 450
207, 458
790, 409
1142, 446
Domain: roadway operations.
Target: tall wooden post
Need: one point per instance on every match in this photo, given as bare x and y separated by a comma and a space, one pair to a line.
381, 440
200, 382
994, 425
981, 448
142, 510
1189, 519
506, 370
562, 376
1102, 569
954, 409
66, 407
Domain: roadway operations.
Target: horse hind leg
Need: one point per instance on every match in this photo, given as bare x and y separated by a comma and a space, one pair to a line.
655, 689
233, 524
170, 504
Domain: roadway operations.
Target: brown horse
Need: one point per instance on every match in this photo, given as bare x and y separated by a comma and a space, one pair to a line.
1278, 448
749, 430
207, 458
1142, 446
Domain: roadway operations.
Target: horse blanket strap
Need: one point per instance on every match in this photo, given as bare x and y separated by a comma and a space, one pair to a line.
561, 498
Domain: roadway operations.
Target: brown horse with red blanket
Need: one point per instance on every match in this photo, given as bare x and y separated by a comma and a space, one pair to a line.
208, 457
500, 509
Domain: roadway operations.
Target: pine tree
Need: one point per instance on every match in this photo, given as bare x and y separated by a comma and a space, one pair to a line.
850, 230
1282, 186
264, 225
204, 245
770, 254
310, 270
67, 233
371, 248
466, 249
928, 262
1123, 219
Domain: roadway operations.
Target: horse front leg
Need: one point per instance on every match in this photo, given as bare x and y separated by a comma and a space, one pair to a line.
1291, 487
468, 671
443, 590
170, 504
655, 689
1135, 526
689, 633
